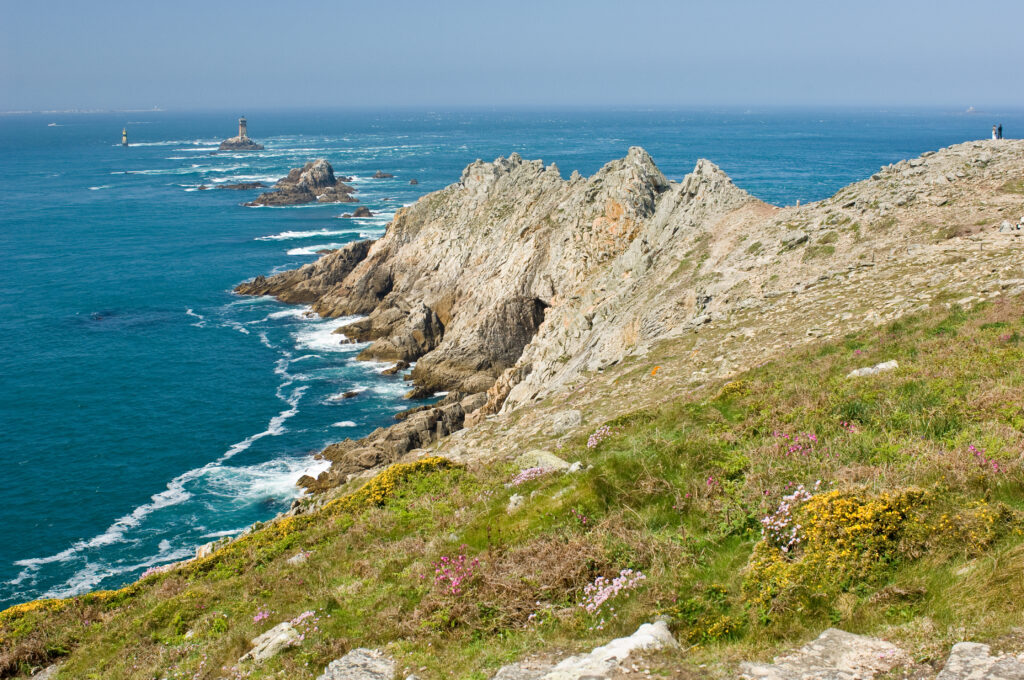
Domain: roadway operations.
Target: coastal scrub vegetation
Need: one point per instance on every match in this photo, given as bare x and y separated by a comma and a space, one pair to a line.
753, 515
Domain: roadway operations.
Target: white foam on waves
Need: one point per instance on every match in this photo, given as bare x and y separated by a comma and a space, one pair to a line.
289, 235
320, 336
201, 323
174, 494
314, 250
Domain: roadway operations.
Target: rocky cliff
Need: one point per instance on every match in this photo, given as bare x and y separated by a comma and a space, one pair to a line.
314, 182
515, 284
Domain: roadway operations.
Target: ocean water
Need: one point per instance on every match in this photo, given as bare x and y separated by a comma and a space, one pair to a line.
145, 409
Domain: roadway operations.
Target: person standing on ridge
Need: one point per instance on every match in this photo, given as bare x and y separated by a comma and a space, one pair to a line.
995, 131
999, 131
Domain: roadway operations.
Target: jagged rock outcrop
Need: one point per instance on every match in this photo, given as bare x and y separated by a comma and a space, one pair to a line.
309, 282
243, 186
419, 428
313, 182
518, 284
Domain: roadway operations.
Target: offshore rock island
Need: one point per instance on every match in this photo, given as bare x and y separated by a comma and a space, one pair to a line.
313, 183
242, 141
686, 434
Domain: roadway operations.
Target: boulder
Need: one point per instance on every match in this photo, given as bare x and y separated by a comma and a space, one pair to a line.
397, 368
834, 655
360, 664
542, 459
272, 642
515, 502
891, 365
382, 175
414, 181
599, 663
974, 661
243, 186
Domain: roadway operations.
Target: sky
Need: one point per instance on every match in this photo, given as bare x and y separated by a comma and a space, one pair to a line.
187, 55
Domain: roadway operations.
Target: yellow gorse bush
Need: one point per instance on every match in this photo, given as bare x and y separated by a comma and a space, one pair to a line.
384, 485
851, 537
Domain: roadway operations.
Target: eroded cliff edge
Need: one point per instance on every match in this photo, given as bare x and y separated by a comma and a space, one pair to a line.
514, 283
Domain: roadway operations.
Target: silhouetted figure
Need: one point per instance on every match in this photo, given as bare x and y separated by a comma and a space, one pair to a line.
1000, 131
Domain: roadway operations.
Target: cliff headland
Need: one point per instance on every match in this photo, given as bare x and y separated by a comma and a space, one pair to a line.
685, 431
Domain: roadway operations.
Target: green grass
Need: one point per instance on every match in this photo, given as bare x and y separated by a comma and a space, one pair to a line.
932, 530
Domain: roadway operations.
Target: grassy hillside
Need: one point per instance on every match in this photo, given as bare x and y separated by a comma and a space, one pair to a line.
754, 515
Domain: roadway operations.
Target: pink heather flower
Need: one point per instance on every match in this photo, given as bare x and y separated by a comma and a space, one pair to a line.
603, 589
530, 474
598, 436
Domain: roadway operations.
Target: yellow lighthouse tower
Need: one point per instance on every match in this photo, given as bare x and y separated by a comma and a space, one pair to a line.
124, 136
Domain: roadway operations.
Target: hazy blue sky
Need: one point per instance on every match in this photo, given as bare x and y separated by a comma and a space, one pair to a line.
186, 54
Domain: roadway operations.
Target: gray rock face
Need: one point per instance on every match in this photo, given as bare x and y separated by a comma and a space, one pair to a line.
600, 662
48, 673
539, 283
563, 422
360, 664
309, 282
314, 182
542, 459
973, 661
272, 642
834, 655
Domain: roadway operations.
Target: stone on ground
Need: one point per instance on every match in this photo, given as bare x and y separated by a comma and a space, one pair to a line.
542, 459
361, 664
834, 655
270, 643
973, 661
872, 370
601, 661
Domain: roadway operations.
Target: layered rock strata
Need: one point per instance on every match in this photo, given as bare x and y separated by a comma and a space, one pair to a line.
314, 182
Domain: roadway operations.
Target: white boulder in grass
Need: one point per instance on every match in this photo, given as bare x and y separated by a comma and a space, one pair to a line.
872, 370
272, 642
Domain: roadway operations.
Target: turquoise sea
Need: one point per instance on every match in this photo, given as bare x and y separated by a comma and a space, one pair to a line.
145, 409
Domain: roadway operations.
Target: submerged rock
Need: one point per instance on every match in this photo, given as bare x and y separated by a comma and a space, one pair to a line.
382, 175
243, 186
